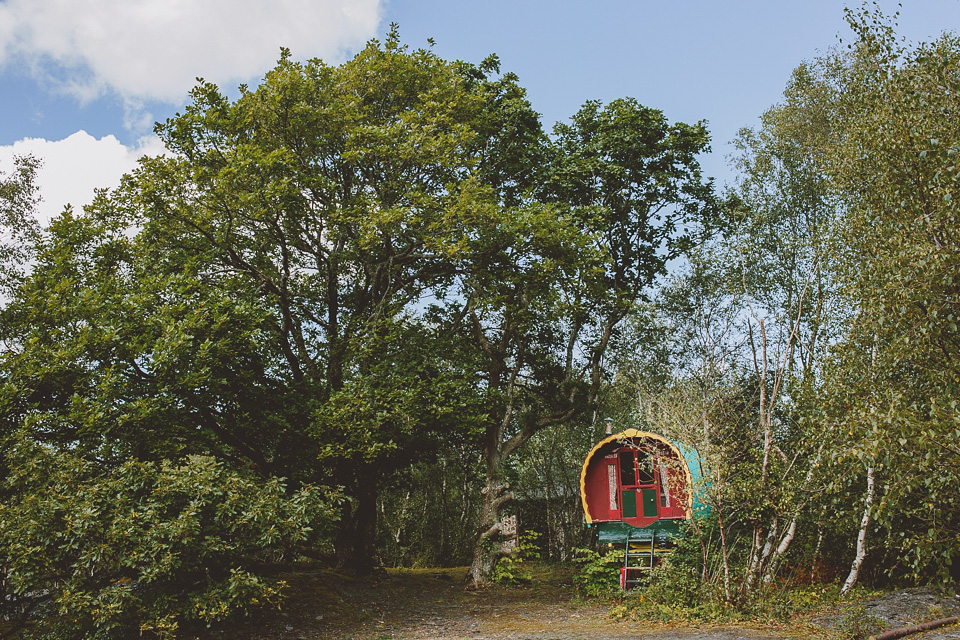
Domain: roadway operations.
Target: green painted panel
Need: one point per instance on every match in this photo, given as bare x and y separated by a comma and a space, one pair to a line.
649, 503
629, 501
619, 532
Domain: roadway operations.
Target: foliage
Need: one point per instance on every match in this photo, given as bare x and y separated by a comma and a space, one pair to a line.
116, 352
545, 476
511, 569
856, 624
384, 276
18, 201
744, 328
545, 295
768, 312
812, 342
428, 516
677, 592
332, 273
599, 573
676, 589
896, 379
259, 293
144, 547
676, 595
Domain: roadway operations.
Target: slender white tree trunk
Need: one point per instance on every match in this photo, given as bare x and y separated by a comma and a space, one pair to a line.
791, 531
861, 537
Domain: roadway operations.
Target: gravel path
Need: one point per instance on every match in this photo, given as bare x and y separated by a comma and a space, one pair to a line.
900, 608
433, 604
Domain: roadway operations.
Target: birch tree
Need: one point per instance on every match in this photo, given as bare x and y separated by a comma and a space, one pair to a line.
897, 167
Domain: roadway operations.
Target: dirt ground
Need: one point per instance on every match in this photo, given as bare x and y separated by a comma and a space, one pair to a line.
433, 604
895, 609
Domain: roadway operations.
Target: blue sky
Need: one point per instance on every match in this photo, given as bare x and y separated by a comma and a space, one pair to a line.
81, 81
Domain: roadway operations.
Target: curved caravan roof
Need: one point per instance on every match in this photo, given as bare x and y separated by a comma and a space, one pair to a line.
637, 478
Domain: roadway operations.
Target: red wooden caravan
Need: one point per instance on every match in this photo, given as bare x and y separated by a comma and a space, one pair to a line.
636, 488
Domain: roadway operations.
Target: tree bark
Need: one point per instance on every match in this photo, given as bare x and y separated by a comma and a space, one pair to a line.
791, 531
892, 634
724, 550
489, 547
355, 539
861, 538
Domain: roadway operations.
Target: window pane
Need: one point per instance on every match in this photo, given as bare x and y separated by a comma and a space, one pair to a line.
627, 476
645, 469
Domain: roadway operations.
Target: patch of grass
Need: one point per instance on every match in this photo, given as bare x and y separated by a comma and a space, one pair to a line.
451, 574
933, 612
856, 624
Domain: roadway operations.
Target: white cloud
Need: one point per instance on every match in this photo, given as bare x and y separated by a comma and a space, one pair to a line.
77, 165
155, 49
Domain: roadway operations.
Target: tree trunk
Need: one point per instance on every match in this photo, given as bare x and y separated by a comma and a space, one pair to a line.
481, 568
489, 547
724, 550
790, 533
355, 540
815, 563
861, 538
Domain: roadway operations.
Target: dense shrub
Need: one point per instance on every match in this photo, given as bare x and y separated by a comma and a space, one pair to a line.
144, 547
677, 592
599, 573
514, 569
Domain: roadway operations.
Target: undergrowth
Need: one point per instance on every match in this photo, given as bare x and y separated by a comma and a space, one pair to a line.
599, 574
857, 624
678, 592
514, 569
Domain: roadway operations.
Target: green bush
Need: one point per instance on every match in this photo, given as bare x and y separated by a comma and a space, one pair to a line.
678, 592
144, 547
510, 569
599, 573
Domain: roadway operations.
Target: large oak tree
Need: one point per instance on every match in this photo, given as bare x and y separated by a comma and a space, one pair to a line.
327, 272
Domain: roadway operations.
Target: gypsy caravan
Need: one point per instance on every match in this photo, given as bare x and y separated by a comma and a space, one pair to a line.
636, 488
